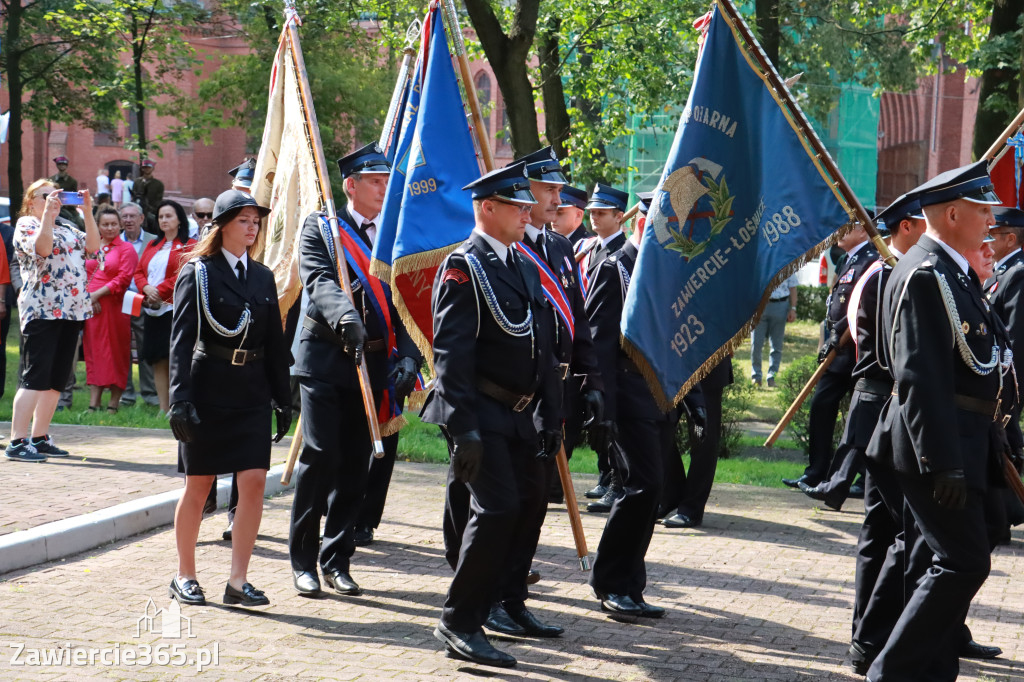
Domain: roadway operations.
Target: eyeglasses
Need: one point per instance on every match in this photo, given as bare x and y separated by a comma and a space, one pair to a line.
523, 208
204, 216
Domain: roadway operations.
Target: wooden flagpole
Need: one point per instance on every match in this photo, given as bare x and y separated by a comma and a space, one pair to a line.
404, 74
1000, 144
327, 200
561, 461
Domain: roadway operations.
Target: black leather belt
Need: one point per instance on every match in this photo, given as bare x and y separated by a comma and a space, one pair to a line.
237, 356
325, 333
516, 401
976, 405
776, 300
873, 386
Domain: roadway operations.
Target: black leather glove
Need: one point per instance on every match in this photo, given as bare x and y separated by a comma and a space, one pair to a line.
593, 407
603, 433
467, 454
550, 441
404, 375
353, 335
284, 421
831, 343
184, 419
950, 489
699, 421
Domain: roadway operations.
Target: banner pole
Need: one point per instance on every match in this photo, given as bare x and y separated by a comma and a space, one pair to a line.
324, 188
1015, 127
404, 74
448, 9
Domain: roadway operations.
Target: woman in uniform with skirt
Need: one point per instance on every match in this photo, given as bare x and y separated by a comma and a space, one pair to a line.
228, 372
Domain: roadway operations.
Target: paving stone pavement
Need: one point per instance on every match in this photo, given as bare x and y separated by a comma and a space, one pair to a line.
762, 592
107, 466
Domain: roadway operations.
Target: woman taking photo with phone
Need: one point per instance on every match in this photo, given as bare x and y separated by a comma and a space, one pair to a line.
52, 306
229, 369
154, 278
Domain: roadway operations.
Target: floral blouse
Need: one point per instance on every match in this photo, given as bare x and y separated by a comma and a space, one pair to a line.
54, 286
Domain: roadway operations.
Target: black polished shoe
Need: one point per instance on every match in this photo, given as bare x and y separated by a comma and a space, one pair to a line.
604, 505
649, 610
362, 536
532, 578
816, 493
247, 596
861, 657
187, 592
306, 583
472, 646
533, 627
974, 650
227, 531
795, 482
596, 493
498, 620
680, 521
342, 583
619, 604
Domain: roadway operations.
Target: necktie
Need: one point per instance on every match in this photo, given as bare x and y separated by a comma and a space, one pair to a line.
240, 269
540, 245
510, 260
364, 232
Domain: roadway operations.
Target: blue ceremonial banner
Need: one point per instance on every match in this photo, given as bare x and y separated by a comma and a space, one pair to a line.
397, 153
435, 214
740, 205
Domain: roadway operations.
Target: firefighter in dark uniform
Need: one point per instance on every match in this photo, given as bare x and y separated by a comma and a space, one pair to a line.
574, 353
837, 381
637, 432
942, 429
569, 221
607, 206
66, 183
493, 359
331, 473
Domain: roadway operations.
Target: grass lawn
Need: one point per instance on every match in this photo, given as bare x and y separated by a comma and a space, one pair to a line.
423, 442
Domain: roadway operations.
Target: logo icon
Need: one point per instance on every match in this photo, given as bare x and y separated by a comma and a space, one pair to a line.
165, 622
686, 187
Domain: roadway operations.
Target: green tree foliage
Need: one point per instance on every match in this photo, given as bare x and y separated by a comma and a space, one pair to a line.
350, 68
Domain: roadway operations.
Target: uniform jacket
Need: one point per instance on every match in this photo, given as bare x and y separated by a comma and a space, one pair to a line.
576, 350
869, 341
600, 253
1005, 291
839, 299
922, 429
179, 254
470, 344
323, 359
148, 193
578, 235
204, 379
626, 394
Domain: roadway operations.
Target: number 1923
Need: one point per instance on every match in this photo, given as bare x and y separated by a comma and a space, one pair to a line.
687, 334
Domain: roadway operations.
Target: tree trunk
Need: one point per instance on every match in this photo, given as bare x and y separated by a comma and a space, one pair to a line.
12, 39
508, 55
766, 13
990, 123
139, 104
556, 118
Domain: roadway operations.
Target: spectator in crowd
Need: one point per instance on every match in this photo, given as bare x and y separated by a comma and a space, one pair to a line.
202, 214
52, 306
158, 269
131, 221
117, 190
10, 293
230, 373
126, 195
102, 184
780, 309
108, 333
148, 192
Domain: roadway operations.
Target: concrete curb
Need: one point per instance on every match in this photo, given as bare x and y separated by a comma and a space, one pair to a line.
63, 538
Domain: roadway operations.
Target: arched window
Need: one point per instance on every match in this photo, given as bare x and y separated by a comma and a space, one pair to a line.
483, 89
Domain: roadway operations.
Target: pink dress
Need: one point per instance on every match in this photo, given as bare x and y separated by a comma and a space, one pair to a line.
107, 339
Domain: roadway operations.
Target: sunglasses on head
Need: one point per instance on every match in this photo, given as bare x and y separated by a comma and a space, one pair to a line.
205, 216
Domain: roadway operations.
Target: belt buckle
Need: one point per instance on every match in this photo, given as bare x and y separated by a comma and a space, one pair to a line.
563, 370
524, 401
239, 356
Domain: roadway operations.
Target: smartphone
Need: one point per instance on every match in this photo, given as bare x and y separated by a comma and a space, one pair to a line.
70, 198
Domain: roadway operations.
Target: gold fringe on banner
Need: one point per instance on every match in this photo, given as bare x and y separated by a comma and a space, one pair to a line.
412, 263
393, 426
380, 270
651, 376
